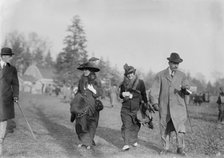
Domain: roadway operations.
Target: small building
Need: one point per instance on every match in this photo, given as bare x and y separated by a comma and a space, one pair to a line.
35, 80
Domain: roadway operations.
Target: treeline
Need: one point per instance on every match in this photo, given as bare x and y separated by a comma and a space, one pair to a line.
74, 53
202, 85
34, 49
29, 49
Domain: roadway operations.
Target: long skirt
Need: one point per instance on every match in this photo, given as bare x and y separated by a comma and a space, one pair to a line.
130, 128
86, 128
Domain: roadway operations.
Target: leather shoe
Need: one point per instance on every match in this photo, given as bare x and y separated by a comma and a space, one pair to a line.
181, 152
93, 143
126, 147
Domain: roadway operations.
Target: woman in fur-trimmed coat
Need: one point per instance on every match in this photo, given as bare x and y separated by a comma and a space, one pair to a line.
132, 91
83, 106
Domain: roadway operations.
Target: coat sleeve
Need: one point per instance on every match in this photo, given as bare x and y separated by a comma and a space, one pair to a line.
155, 90
143, 92
15, 83
122, 89
99, 90
218, 100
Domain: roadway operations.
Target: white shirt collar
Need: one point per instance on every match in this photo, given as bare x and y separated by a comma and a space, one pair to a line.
2, 63
170, 71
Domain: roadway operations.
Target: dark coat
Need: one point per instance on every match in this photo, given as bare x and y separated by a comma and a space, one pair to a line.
130, 107
9, 88
139, 94
84, 104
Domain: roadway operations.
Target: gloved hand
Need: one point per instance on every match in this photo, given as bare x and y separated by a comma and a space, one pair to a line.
16, 99
91, 88
125, 94
185, 89
155, 107
73, 117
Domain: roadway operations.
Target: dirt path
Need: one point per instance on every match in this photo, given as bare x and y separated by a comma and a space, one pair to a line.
49, 118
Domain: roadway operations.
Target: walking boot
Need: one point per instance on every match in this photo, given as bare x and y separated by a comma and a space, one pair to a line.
181, 152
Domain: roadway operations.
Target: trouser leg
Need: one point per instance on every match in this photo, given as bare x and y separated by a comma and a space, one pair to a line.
3, 126
165, 133
165, 141
180, 140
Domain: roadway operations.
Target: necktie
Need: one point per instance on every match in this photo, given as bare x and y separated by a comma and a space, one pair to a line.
172, 74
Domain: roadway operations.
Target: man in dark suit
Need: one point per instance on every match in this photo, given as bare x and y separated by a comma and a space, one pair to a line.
9, 91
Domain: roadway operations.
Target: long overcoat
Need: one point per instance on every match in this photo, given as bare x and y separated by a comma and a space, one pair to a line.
9, 88
166, 92
130, 107
84, 102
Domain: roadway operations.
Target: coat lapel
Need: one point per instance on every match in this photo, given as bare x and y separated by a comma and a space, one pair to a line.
167, 74
4, 71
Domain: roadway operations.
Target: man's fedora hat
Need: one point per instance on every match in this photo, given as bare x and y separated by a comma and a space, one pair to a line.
6, 51
88, 66
128, 69
174, 57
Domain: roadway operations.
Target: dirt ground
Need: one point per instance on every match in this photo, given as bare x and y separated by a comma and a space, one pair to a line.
49, 118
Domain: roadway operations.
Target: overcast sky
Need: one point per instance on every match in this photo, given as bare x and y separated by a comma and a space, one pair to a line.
142, 33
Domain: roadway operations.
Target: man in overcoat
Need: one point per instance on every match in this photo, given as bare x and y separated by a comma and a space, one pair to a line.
169, 92
9, 91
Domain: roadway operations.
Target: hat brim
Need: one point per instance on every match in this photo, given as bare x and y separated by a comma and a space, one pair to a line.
92, 69
129, 72
175, 61
7, 54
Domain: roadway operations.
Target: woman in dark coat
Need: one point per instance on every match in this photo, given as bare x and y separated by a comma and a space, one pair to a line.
9, 91
83, 106
132, 91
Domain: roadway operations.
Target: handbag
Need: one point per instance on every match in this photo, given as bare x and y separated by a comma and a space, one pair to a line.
99, 105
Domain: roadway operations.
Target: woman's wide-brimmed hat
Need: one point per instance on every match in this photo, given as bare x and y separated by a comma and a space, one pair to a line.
88, 66
174, 57
6, 51
128, 69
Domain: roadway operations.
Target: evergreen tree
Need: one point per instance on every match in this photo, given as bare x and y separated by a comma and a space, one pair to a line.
73, 53
16, 41
38, 57
48, 60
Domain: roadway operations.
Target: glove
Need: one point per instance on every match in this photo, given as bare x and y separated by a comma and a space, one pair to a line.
90, 87
155, 107
16, 99
126, 94
73, 117
185, 89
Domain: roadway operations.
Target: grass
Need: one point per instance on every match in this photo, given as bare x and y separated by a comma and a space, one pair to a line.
49, 118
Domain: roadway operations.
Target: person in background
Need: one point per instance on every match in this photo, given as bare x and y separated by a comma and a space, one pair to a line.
220, 103
83, 106
169, 93
9, 92
132, 91
113, 95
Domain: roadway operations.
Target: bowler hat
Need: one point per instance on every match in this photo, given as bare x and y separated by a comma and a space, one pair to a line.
128, 69
6, 51
88, 66
174, 57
